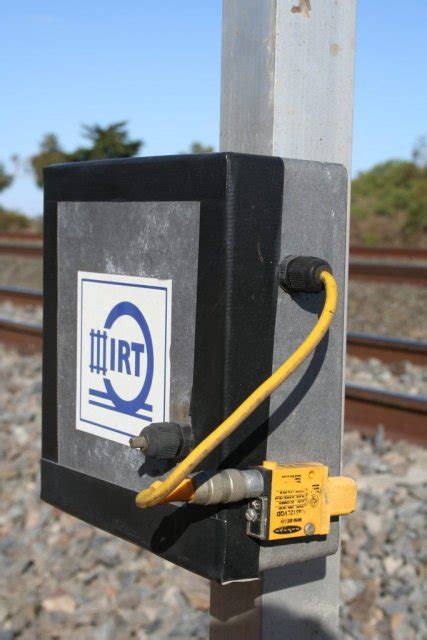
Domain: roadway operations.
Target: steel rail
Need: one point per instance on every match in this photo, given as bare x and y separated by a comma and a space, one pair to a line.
21, 295
21, 249
362, 345
401, 414
396, 273
21, 235
23, 335
415, 253
368, 270
386, 348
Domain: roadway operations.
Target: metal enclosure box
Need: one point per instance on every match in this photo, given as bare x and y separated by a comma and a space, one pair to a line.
216, 226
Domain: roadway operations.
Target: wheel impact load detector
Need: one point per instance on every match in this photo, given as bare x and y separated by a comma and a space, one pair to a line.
173, 288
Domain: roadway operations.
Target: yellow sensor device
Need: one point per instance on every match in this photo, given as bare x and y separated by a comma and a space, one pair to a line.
298, 500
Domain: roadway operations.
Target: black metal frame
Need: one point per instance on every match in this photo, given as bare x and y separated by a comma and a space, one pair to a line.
239, 251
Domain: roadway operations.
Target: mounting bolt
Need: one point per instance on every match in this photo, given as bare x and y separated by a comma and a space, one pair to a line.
251, 515
257, 504
309, 529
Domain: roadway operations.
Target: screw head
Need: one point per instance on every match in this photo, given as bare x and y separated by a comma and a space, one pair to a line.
309, 529
251, 515
257, 504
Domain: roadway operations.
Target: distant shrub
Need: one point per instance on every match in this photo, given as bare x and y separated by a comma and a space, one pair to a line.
13, 220
389, 202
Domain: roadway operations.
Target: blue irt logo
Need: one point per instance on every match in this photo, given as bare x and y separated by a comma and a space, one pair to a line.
110, 354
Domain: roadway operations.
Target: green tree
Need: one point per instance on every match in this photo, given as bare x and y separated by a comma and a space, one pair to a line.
199, 147
10, 220
108, 142
50, 152
6, 179
13, 220
389, 202
419, 152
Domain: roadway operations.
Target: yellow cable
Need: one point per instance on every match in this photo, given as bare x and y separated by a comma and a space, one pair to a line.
159, 490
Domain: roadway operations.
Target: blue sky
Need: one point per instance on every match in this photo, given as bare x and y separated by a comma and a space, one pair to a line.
157, 65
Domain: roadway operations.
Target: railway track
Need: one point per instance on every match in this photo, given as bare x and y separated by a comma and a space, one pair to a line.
392, 272
355, 250
26, 336
387, 253
21, 235
411, 271
21, 295
402, 415
386, 348
362, 345
24, 250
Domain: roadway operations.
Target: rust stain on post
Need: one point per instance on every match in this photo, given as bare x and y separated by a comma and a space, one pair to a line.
303, 7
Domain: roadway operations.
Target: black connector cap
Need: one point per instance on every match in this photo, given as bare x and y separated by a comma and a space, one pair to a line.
164, 440
302, 273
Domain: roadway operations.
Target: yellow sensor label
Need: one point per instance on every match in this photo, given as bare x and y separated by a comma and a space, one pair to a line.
296, 500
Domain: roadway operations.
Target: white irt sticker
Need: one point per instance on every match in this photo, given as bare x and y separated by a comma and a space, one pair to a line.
123, 342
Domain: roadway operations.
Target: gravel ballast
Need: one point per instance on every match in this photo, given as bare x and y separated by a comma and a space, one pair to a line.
398, 310
31, 313
402, 377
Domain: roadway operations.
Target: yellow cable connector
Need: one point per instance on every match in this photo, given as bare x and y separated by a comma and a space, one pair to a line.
158, 491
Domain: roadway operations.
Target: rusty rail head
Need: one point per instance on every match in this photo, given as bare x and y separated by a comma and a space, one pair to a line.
21, 235
22, 335
22, 249
21, 295
386, 348
398, 272
401, 415
415, 253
